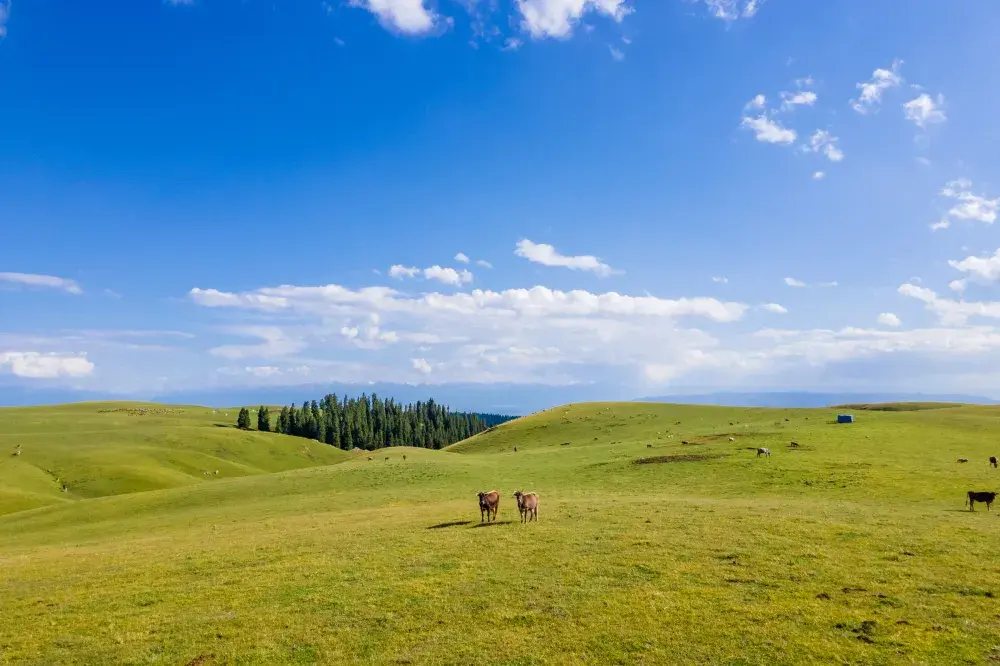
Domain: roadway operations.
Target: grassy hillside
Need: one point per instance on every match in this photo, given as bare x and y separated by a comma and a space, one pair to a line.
103, 448
852, 548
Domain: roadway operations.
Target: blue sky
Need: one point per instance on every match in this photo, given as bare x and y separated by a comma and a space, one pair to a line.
653, 197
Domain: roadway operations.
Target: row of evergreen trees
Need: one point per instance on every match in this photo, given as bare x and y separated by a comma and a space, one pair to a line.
370, 422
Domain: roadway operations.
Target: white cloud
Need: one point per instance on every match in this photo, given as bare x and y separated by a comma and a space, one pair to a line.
556, 18
46, 281
731, 10
462, 258
484, 264
967, 206
275, 342
547, 255
827, 346
437, 273
775, 308
889, 319
720, 280
4, 15
398, 271
262, 370
180, 3
925, 110
406, 16
768, 130
957, 285
872, 90
759, 102
790, 100
950, 312
616, 54
986, 269
535, 302
512, 44
823, 141
792, 282
421, 365
35, 365
819, 175
448, 275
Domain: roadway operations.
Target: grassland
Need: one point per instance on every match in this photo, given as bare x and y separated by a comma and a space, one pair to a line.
854, 547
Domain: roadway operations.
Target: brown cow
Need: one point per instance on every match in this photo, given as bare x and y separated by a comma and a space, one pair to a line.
993, 460
984, 497
489, 503
527, 504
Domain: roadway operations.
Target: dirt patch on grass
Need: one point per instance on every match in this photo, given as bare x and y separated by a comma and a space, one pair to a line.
899, 406
691, 457
711, 439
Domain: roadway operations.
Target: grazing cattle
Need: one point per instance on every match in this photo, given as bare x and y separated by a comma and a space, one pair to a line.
984, 497
527, 504
404, 456
515, 449
993, 460
794, 445
387, 458
649, 446
732, 439
963, 460
489, 504
763, 452
370, 458
18, 452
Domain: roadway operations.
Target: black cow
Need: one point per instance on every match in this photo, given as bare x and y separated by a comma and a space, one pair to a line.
993, 460
984, 497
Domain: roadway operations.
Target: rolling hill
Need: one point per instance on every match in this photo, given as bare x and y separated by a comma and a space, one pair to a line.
100, 449
662, 537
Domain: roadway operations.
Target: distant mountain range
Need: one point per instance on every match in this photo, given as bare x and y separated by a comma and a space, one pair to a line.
509, 399
806, 399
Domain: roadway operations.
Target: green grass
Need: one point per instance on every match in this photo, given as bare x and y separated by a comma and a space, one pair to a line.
102, 448
853, 548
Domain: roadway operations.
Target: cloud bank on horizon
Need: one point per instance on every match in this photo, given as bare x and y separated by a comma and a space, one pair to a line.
512, 204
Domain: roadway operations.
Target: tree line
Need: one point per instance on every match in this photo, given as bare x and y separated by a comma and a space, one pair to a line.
369, 422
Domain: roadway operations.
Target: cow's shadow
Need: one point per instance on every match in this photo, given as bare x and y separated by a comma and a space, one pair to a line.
495, 522
457, 523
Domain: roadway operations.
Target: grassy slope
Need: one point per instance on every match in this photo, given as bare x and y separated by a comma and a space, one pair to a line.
852, 549
97, 453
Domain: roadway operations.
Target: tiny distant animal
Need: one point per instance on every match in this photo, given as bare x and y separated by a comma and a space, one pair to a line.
17, 453
993, 460
515, 449
527, 504
763, 452
217, 472
732, 439
984, 497
649, 446
387, 458
795, 445
489, 504
963, 460
370, 458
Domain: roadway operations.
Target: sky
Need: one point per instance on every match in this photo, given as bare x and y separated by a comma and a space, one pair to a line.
640, 197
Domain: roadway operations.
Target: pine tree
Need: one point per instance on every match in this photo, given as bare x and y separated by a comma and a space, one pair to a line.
243, 420
263, 419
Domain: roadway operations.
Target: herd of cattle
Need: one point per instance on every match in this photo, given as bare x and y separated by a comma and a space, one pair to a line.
489, 504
